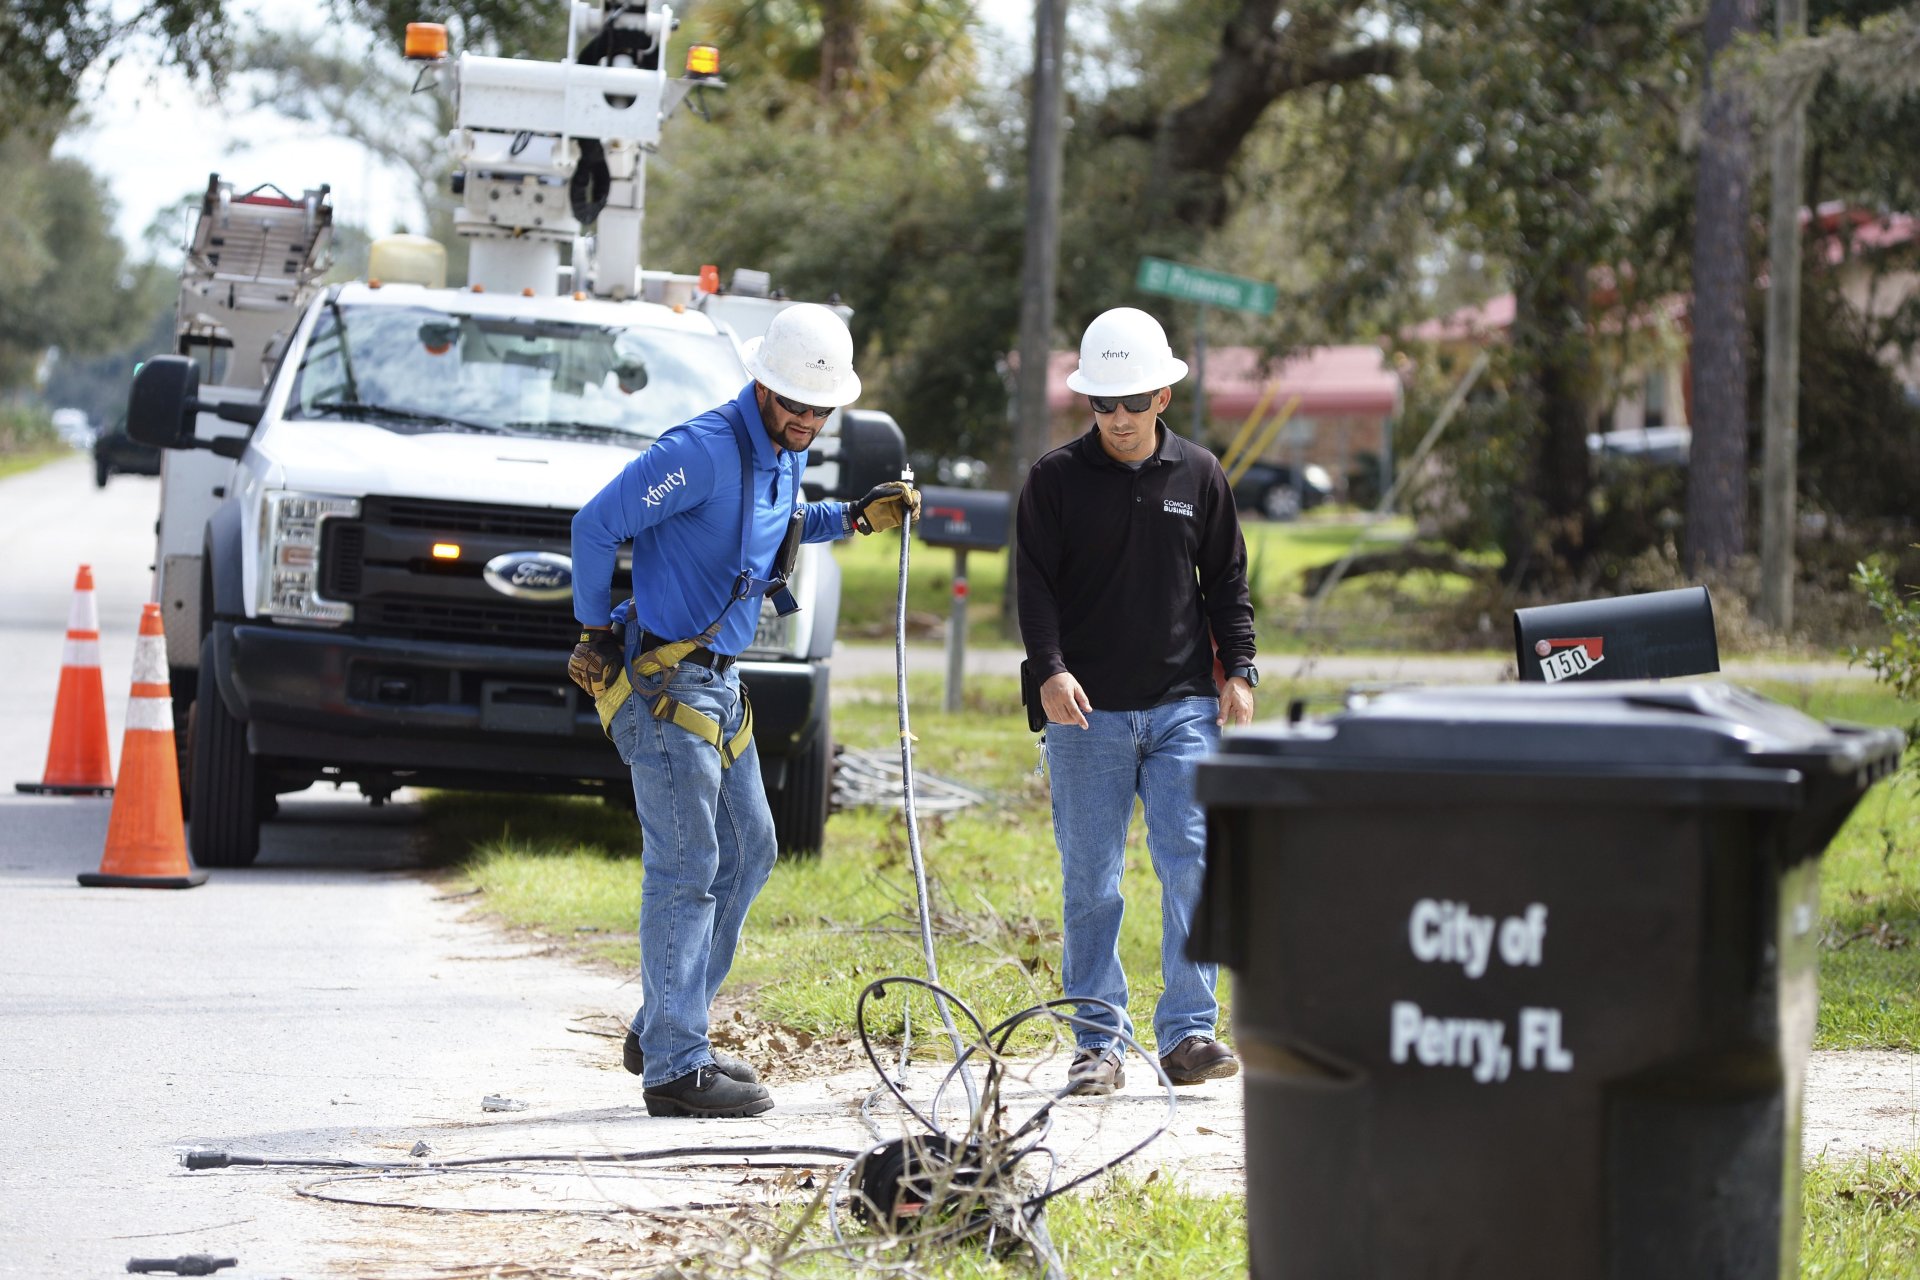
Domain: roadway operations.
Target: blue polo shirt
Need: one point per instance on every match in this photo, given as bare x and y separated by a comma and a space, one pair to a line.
680, 503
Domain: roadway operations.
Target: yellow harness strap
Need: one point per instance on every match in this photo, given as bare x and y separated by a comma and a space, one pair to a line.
664, 706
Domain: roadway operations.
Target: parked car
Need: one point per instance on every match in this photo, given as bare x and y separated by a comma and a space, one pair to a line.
114, 451
1655, 446
1269, 489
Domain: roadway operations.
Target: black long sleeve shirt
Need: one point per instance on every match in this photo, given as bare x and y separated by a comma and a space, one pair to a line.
1123, 573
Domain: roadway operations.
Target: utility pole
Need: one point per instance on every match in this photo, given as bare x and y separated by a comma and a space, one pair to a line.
1780, 431
1041, 263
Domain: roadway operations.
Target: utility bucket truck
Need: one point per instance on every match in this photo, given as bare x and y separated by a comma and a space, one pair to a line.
367, 501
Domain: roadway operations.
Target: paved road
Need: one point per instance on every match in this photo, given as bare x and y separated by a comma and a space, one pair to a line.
323, 1001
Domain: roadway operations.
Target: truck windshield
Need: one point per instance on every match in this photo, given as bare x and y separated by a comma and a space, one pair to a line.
418, 369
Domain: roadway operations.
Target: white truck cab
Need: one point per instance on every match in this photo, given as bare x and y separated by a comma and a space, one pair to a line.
364, 564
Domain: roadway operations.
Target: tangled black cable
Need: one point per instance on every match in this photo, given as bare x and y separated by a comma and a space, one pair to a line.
948, 1187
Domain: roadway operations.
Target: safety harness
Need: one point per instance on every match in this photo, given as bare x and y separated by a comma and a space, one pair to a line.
662, 659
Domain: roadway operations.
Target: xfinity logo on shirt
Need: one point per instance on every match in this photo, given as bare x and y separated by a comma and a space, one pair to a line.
1173, 508
668, 483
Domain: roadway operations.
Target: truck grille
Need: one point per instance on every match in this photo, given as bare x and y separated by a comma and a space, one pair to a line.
541, 524
383, 565
548, 627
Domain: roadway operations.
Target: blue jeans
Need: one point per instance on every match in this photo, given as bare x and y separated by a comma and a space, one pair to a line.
1096, 773
708, 848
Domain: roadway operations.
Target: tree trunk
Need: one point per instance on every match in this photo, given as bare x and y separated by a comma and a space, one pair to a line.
1548, 537
839, 45
1717, 471
1260, 61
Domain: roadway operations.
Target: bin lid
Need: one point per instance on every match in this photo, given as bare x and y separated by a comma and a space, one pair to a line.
1649, 733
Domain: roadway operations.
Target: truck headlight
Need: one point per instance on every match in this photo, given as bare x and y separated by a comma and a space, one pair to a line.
290, 556
773, 634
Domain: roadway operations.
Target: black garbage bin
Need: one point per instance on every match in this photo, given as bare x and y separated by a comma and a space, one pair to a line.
1524, 977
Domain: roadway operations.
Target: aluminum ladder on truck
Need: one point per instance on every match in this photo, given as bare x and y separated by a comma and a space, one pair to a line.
252, 266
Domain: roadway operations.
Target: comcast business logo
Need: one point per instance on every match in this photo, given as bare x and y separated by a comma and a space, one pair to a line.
1173, 508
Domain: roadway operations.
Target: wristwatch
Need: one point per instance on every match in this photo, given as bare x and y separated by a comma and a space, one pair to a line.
1249, 673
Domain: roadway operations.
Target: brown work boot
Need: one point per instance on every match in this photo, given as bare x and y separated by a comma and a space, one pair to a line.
1198, 1058
1096, 1072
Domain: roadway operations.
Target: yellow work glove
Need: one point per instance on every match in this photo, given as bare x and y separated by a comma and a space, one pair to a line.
596, 660
885, 506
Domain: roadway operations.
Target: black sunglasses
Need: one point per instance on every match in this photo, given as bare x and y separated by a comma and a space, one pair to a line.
1133, 404
802, 410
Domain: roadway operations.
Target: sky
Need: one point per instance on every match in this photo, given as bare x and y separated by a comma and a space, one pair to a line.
154, 138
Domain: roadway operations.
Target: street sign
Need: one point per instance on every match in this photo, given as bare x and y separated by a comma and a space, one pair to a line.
1211, 288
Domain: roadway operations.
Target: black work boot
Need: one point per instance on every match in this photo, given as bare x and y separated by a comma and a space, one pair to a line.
706, 1091
636, 1062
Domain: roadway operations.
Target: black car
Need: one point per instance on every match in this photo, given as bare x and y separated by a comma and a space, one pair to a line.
115, 451
1270, 489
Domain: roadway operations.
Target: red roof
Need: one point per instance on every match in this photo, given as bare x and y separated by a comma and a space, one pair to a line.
1331, 382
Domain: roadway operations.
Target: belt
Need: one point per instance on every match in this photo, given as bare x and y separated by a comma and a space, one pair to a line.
700, 657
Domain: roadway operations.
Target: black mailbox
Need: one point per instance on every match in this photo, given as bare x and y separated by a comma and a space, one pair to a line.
968, 519
1644, 637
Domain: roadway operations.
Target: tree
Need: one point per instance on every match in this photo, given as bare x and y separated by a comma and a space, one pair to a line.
1722, 278
1538, 140
65, 281
46, 45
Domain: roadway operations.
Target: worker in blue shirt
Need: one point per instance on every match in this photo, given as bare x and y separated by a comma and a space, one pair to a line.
713, 510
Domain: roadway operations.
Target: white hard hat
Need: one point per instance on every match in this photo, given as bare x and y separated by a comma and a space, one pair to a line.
1124, 352
807, 356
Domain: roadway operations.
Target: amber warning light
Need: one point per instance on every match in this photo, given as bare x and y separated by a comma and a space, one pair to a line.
426, 41
703, 61
446, 551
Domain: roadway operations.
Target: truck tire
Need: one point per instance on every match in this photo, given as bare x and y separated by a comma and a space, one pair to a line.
800, 806
100, 472
184, 683
225, 831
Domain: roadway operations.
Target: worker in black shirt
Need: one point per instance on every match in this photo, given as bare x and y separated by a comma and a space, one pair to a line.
1131, 571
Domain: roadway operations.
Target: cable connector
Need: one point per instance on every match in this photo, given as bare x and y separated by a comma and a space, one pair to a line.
191, 1264
204, 1158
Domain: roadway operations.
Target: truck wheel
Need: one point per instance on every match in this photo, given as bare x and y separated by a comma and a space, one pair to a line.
184, 684
800, 806
225, 831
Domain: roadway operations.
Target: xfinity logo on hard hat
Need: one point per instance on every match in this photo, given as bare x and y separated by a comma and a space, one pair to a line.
1114, 355
531, 575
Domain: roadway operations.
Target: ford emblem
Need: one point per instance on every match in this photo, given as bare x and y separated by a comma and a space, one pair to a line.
531, 575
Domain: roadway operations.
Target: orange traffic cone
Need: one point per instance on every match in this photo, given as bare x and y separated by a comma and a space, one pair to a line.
146, 836
77, 761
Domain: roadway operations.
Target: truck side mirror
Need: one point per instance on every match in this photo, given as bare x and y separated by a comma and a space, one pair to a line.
165, 400
873, 450
161, 405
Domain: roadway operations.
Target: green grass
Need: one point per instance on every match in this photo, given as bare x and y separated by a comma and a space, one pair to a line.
1869, 890
1138, 1228
1863, 1219
13, 464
